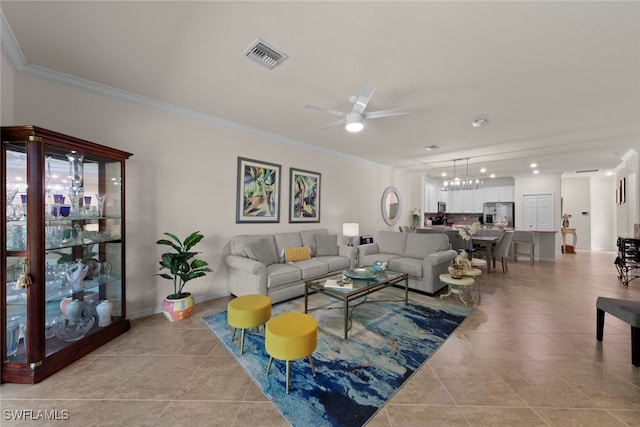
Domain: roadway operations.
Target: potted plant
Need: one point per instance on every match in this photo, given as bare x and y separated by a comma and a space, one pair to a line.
183, 267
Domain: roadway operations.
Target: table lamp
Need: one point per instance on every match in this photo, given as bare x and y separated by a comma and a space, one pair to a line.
351, 230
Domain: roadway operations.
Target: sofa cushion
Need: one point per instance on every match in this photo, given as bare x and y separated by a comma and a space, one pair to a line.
287, 240
326, 245
411, 266
334, 263
311, 268
421, 245
309, 238
279, 274
296, 254
391, 242
262, 250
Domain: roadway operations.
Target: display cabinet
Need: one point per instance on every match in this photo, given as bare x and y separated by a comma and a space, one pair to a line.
64, 252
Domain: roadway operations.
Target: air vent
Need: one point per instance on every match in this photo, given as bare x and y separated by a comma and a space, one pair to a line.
264, 54
588, 171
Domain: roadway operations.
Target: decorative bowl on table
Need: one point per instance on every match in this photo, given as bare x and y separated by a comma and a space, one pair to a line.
379, 266
362, 273
456, 272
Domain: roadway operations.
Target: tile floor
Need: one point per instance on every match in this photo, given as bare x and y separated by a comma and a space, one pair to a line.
527, 356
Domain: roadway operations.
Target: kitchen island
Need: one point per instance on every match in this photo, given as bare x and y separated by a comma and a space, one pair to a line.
544, 241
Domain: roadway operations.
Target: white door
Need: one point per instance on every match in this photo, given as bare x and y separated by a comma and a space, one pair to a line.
538, 211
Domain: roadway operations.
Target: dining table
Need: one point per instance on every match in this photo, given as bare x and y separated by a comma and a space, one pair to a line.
487, 242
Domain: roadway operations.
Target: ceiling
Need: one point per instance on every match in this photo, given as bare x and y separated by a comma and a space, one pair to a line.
558, 82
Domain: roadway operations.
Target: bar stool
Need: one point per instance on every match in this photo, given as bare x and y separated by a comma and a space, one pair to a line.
248, 311
291, 336
523, 238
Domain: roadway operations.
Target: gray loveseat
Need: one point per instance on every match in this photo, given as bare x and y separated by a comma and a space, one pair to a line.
256, 263
423, 256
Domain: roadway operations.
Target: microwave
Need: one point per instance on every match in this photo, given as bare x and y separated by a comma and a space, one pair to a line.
442, 207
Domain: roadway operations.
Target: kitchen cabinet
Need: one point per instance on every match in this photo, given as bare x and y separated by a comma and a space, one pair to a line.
498, 194
61, 258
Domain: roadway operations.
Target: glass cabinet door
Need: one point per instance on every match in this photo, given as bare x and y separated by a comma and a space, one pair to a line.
63, 255
82, 247
16, 247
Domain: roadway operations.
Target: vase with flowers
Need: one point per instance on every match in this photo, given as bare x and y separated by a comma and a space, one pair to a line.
466, 232
415, 215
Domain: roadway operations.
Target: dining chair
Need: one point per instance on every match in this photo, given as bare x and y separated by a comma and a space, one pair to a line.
502, 250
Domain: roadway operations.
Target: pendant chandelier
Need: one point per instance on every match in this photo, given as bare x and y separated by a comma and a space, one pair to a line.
464, 182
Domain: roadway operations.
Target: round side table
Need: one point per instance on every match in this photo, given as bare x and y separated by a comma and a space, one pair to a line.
456, 286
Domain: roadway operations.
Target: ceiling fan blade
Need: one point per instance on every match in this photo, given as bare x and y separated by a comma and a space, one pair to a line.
333, 124
386, 113
363, 99
326, 110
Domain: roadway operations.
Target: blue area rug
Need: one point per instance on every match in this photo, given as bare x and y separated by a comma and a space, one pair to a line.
387, 343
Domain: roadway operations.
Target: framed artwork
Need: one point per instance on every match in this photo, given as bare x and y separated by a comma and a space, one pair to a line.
304, 203
258, 195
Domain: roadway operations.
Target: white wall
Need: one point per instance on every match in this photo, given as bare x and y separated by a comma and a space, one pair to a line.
603, 209
6, 92
182, 178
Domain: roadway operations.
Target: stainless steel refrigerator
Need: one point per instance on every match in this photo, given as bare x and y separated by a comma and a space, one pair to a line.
496, 211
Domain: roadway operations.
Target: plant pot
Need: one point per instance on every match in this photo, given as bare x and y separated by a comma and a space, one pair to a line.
177, 309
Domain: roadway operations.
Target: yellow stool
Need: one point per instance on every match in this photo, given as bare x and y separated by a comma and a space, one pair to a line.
291, 336
248, 311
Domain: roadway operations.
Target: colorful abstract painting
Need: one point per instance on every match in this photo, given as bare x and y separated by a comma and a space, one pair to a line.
304, 203
258, 196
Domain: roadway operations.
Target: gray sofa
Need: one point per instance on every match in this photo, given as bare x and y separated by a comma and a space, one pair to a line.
256, 263
423, 256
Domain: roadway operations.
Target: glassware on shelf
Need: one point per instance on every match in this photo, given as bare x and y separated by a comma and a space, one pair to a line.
53, 325
12, 190
86, 207
53, 236
13, 336
101, 199
65, 210
16, 237
104, 271
58, 201
76, 174
23, 198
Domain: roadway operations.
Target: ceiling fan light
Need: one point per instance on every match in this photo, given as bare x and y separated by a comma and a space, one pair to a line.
354, 122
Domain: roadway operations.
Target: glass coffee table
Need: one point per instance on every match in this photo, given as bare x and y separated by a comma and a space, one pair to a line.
330, 285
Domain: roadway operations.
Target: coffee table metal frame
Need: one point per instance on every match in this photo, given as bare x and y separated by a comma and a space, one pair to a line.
361, 288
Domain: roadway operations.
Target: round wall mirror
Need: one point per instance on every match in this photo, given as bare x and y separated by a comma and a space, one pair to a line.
391, 205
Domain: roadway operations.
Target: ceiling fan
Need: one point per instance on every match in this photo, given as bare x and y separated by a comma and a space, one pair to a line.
355, 120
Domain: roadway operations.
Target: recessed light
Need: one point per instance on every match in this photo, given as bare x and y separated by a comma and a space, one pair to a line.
483, 170
533, 165
493, 175
536, 171
431, 147
609, 173
479, 123
444, 174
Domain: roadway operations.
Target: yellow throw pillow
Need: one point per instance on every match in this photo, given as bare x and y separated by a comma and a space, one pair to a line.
297, 254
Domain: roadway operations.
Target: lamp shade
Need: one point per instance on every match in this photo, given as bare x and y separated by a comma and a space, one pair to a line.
350, 229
